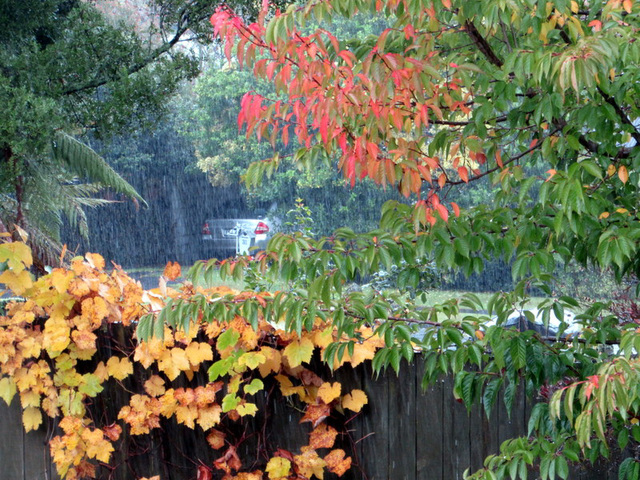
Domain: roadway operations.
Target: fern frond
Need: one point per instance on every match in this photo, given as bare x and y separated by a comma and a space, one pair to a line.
85, 162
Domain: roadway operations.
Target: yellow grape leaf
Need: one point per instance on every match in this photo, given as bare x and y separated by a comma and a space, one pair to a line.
95, 260
623, 174
16, 254
309, 463
31, 418
278, 468
252, 360
209, 417
272, 363
287, 388
198, 352
328, 392
362, 352
216, 439
7, 389
29, 398
337, 463
154, 386
187, 415
355, 400
101, 372
18, 282
84, 339
322, 338
323, 436
180, 359
298, 351
257, 475
96, 445
57, 334
172, 270
611, 169
246, 409
119, 368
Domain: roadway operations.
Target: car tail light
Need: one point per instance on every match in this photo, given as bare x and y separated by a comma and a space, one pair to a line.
261, 228
205, 229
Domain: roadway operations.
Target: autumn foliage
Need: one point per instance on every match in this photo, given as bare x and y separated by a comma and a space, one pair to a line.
48, 340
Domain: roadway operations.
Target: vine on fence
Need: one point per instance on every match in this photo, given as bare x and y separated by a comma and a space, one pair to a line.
48, 341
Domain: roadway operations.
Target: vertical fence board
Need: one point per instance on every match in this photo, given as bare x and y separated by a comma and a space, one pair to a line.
402, 423
460, 433
430, 433
449, 457
375, 421
37, 463
11, 441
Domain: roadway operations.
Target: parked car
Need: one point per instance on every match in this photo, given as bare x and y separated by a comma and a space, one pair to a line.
239, 234
519, 320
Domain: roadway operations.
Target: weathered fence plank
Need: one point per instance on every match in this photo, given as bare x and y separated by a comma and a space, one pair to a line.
11, 441
430, 432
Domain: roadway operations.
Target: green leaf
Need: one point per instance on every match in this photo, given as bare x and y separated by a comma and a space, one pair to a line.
228, 338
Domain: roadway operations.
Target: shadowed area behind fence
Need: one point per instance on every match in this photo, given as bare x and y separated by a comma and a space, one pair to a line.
403, 433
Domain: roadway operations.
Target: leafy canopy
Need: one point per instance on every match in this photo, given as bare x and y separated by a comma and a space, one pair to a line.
451, 93
70, 69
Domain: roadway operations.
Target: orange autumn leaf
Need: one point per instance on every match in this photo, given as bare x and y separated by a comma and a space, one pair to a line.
328, 392
623, 174
172, 270
337, 463
316, 413
309, 463
95, 260
112, 431
323, 436
215, 439
355, 400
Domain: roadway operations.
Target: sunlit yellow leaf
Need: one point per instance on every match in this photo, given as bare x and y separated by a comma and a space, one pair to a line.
355, 400
119, 368
278, 468
154, 386
31, 418
7, 389
298, 351
272, 363
198, 352
328, 392
209, 417
246, 409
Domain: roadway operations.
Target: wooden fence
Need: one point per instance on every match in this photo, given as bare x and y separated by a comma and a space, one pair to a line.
404, 433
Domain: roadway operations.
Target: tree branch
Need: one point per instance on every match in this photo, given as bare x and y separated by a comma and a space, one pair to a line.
182, 28
620, 112
482, 44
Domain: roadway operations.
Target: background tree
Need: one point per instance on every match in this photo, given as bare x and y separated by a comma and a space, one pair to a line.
68, 66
